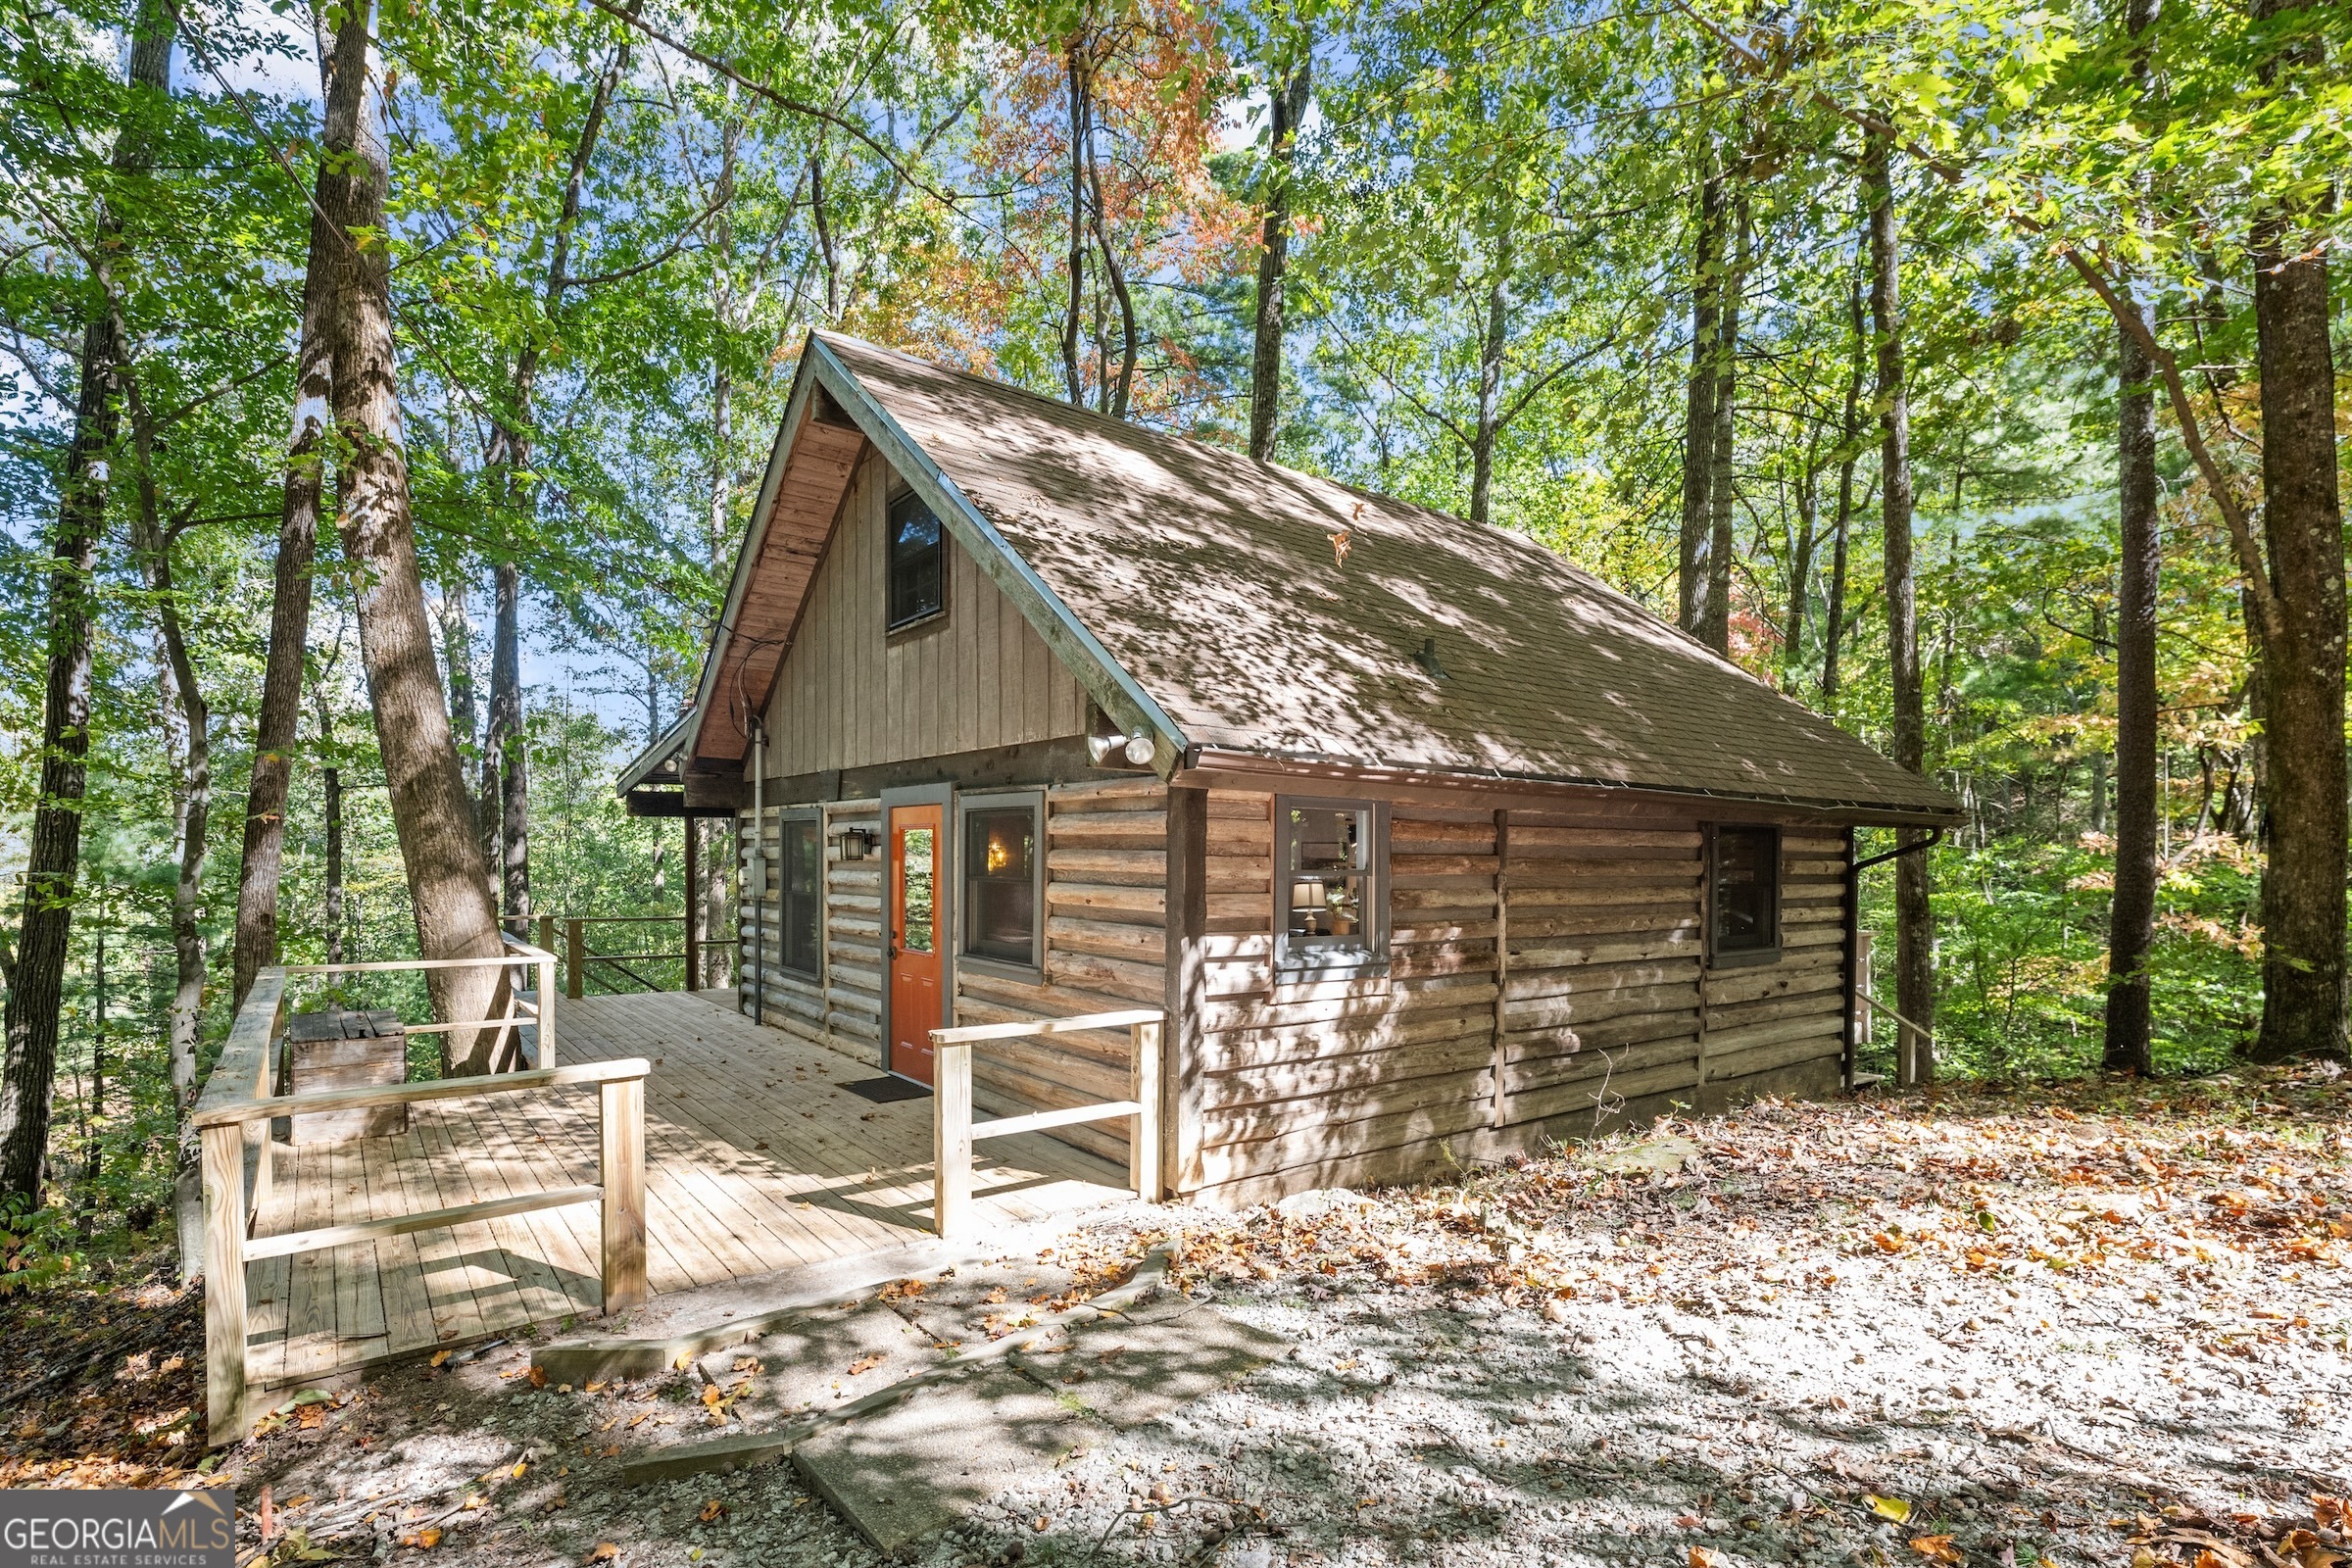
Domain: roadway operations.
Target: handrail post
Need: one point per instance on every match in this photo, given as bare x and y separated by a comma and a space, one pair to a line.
547, 1010
224, 1327
622, 1174
1143, 1133
951, 1136
575, 951
547, 934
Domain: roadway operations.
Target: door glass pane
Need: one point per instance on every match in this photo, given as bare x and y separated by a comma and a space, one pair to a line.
914, 855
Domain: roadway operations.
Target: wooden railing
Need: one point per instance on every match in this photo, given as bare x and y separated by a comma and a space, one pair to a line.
240, 1100
953, 1132
578, 955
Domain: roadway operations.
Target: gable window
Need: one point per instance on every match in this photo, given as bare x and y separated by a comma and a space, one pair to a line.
1331, 914
1744, 894
918, 577
801, 886
1001, 868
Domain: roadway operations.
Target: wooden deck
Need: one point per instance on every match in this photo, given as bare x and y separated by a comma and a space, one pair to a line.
756, 1160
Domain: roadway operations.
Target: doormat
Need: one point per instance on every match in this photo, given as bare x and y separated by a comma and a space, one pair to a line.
884, 1091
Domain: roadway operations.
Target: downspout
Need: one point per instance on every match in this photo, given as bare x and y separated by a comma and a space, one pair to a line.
760, 871
1854, 932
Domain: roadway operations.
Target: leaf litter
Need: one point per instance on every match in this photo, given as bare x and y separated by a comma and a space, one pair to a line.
2092, 1324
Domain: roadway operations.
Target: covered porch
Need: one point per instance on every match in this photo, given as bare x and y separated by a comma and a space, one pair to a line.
756, 1159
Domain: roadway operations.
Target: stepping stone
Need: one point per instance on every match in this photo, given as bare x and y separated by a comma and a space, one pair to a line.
819, 1359
1130, 1371
913, 1470
977, 1305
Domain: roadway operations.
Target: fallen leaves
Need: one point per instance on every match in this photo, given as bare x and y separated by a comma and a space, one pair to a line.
865, 1363
1937, 1548
1897, 1509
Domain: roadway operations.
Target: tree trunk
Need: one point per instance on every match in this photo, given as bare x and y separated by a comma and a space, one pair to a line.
1801, 566
448, 885
330, 780
2130, 1041
1833, 635
53, 853
262, 861
2303, 969
1914, 927
1489, 387
2128, 1045
507, 748
1073, 309
1694, 564
1715, 624
505, 783
1286, 108
187, 739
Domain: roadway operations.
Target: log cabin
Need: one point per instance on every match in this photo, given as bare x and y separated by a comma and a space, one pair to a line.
1430, 846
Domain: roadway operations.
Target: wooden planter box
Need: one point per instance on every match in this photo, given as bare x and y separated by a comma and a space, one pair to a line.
338, 1049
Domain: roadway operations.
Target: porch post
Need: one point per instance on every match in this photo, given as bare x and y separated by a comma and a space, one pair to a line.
623, 1174
691, 979
951, 1136
1143, 1138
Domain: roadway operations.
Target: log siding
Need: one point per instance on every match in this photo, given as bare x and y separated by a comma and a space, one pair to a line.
1548, 980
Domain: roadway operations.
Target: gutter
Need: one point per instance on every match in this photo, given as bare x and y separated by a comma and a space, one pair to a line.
1853, 931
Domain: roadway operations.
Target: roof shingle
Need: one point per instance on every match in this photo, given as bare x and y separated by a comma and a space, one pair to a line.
1217, 583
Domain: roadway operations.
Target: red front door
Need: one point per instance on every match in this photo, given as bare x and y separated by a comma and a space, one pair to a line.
913, 937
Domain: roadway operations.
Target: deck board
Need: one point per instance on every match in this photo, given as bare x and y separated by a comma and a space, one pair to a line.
757, 1160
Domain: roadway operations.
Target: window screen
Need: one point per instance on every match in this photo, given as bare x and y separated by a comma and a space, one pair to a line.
1746, 891
1000, 881
802, 883
1326, 888
917, 574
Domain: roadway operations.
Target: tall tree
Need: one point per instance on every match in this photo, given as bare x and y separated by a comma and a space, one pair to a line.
2303, 969
508, 456
261, 863
1914, 919
1694, 559
36, 975
448, 884
2129, 1043
1715, 622
187, 734
1286, 107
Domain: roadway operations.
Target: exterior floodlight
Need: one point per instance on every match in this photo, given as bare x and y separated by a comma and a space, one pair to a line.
1098, 748
1139, 747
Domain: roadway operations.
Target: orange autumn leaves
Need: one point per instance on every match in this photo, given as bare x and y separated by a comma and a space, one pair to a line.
1155, 72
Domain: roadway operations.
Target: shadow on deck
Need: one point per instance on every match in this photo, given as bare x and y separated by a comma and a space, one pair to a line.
756, 1161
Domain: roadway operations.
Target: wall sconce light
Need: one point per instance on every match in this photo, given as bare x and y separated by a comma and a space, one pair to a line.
856, 843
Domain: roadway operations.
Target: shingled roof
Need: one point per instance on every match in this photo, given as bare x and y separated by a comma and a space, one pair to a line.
1271, 613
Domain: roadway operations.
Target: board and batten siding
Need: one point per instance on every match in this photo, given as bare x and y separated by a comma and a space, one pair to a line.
1547, 977
852, 694
1106, 877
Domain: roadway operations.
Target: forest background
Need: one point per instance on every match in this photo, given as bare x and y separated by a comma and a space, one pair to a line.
1810, 326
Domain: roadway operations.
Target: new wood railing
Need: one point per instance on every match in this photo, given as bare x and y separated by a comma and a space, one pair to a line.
953, 1132
240, 1100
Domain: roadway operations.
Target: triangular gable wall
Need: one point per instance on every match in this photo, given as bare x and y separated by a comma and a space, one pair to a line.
829, 424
